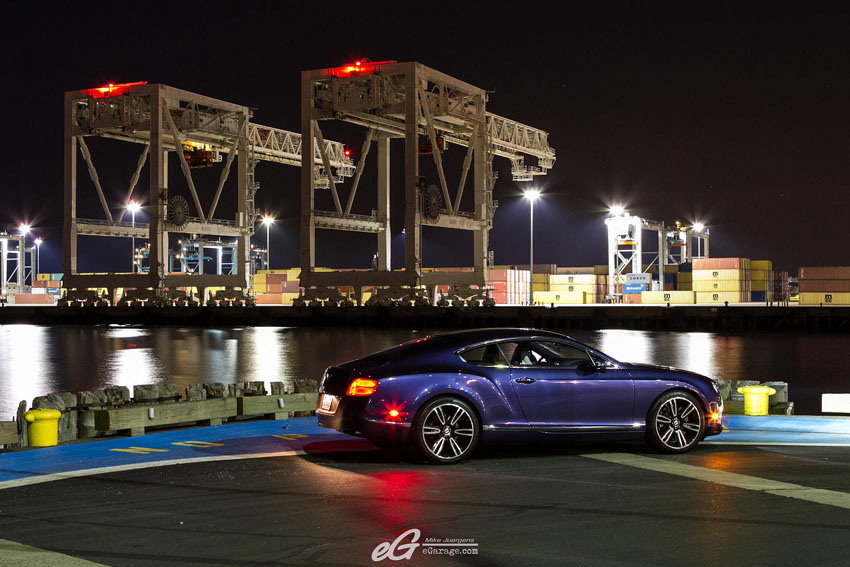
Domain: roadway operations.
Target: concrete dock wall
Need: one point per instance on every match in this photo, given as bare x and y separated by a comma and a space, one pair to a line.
646, 317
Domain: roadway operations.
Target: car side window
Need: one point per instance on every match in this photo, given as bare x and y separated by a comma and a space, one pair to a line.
487, 355
545, 354
564, 355
525, 353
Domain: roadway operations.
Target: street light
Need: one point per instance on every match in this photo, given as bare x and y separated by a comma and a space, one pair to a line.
133, 206
38, 242
268, 220
24, 228
531, 195
699, 227
617, 210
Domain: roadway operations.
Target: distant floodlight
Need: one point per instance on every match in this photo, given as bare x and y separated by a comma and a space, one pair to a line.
617, 210
133, 206
38, 241
531, 194
24, 228
699, 227
267, 220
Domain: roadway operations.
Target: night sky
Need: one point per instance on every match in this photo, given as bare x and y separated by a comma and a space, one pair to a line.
738, 117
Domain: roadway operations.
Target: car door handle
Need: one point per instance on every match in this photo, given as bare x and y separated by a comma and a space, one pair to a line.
524, 380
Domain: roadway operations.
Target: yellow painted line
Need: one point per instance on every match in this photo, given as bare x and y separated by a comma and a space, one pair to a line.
291, 436
198, 444
735, 480
140, 450
13, 554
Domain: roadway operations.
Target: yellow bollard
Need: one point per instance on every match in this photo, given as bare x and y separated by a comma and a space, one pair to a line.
756, 399
43, 428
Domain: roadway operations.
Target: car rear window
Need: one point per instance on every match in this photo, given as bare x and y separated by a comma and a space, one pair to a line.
487, 355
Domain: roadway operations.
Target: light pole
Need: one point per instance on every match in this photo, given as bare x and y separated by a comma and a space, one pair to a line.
38, 242
531, 195
699, 227
268, 220
133, 206
22, 253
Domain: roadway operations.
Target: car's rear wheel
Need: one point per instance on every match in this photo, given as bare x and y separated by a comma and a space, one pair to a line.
675, 423
446, 430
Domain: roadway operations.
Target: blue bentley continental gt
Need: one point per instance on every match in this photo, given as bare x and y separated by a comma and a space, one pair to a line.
446, 393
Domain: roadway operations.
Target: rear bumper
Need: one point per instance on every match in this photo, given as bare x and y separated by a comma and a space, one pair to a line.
349, 415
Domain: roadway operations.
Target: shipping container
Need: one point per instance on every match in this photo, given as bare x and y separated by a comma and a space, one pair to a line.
720, 285
33, 299
825, 273
568, 288
765, 265
561, 279
671, 297
721, 264
631, 289
722, 297
269, 298
42, 277
631, 298
559, 298
813, 298
719, 274
819, 286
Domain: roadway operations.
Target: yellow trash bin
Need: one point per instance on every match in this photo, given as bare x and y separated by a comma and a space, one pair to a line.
756, 399
43, 428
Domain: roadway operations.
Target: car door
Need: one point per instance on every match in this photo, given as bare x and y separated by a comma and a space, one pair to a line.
560, 387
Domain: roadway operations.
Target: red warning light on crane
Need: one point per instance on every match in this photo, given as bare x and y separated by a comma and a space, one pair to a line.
113, 89
359, 67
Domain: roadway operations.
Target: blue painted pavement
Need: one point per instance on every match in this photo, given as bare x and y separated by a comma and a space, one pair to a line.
293, 436
784, 430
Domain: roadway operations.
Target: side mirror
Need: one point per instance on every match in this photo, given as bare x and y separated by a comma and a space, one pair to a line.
585, 369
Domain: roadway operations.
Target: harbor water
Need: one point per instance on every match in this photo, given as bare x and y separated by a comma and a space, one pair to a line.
36, 360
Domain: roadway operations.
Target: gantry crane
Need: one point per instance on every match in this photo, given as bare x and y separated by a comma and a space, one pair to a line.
430, 111
625, 245
202, 130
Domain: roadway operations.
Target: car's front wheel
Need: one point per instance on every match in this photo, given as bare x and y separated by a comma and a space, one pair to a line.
446, 430
675, 423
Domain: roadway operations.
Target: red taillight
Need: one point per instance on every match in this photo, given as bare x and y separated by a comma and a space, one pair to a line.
362, 387
393, 413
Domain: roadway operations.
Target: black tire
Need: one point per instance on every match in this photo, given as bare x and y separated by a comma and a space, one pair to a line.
446, 430
675, 423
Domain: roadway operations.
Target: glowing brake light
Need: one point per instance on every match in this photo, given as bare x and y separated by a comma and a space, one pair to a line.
393, 413
362, 387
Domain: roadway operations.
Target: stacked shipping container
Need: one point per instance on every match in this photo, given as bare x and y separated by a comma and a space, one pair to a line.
275, 287
45, 290
761, 276
510, 286
826, 285
720, 280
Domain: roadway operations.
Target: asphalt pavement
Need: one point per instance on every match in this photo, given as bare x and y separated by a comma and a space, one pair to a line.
289, 493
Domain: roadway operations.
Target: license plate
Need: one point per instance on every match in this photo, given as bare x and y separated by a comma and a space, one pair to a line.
327, 400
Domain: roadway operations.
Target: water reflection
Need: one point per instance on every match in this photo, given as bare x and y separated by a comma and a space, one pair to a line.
37, 360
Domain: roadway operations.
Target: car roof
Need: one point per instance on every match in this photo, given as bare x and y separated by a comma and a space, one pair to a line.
472, 336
